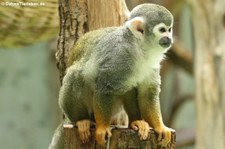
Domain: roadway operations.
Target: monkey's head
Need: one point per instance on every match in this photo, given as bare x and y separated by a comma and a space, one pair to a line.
152, 24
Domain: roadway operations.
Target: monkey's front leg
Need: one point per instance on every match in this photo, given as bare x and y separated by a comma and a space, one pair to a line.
150, 111
103, 106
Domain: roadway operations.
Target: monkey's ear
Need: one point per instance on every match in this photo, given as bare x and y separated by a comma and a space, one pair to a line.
136, 26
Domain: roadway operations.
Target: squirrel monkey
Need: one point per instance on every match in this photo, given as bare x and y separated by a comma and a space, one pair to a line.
118, 68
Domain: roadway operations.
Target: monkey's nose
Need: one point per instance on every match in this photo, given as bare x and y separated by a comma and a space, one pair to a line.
165, 42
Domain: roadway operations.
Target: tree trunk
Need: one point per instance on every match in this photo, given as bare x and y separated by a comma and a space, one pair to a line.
209, 30
80, 16
122, 138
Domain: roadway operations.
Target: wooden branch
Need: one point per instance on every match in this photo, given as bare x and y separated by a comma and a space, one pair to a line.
121, 138
177, 104
181, 57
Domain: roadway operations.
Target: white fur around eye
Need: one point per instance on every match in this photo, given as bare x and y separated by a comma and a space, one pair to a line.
157, 28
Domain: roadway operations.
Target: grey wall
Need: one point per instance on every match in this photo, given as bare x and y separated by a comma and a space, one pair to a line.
27, 116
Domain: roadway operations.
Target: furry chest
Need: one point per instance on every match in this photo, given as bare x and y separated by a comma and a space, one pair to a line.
142, 72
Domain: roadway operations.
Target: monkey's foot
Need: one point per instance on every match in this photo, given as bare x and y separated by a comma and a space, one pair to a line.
102, 132
165, 134
84, 130
142, 127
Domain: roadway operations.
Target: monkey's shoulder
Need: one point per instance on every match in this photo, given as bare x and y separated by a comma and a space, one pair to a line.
87, 43
117, 45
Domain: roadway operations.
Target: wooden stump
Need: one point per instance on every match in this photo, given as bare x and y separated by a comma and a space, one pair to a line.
122, 138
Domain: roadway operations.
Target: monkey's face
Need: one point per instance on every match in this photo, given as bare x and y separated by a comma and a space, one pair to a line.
163, 35
154, 26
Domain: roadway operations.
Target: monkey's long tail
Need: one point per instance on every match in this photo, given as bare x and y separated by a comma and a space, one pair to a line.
58, 138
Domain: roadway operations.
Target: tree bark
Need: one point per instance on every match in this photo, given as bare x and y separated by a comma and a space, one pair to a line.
209, 30
80, 16
122, 138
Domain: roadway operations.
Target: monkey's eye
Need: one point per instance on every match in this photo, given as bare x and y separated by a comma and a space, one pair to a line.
162, 30
170, 29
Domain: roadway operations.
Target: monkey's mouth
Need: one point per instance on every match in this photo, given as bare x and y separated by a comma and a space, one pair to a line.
165, 42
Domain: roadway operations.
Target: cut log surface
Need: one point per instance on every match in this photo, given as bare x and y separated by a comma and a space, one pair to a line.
122, 138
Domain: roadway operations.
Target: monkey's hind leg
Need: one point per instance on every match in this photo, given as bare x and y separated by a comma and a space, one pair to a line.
84, 130
72, 101
103, 107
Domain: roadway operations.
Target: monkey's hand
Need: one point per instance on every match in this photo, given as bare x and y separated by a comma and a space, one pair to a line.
165, 134
102, 132
84, 130
142, 127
